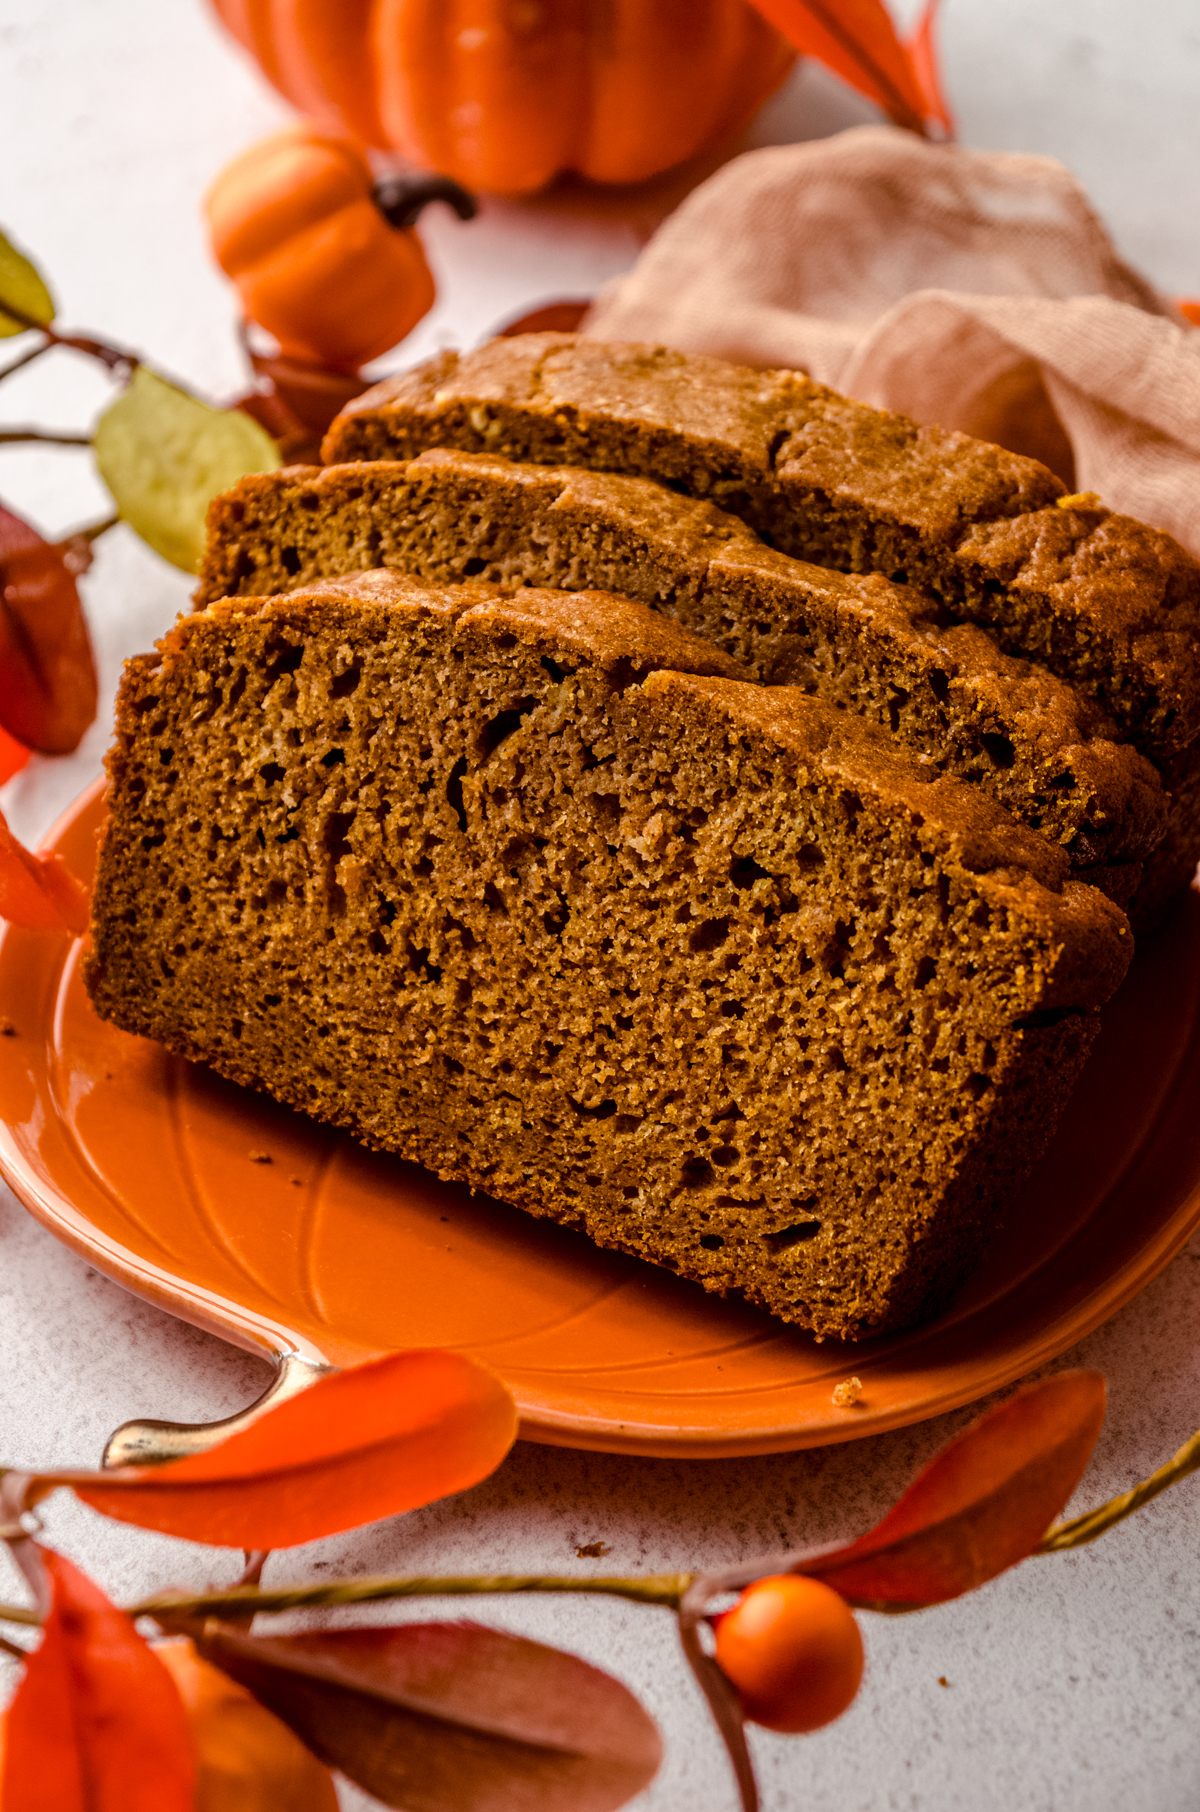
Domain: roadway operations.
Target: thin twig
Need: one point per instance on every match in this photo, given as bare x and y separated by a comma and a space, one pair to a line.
19, 436
94, 530
656, 1588
1083, 1529
14, 1649
256, 1560
15, 1613
16, 1491
114, 357
27, 358
77, 546
722, 1700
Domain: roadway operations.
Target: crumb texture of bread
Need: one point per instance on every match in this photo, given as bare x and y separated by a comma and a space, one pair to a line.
961, 705
531, 887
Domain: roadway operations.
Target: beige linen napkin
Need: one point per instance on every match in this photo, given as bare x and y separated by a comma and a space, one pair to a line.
977, 290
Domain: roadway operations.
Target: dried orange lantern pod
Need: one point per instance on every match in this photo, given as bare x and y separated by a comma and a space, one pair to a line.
506, 94
322, 257
246, 1759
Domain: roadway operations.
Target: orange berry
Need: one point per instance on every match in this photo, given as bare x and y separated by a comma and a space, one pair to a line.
246, 1759
791, 1649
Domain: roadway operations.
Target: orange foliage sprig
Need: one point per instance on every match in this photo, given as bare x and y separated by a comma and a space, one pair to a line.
389, 1706
857, 40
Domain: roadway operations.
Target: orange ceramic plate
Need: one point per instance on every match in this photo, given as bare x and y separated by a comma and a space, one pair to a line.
144, 1163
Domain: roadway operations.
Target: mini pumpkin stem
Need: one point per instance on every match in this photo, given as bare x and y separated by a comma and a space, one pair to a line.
401, 198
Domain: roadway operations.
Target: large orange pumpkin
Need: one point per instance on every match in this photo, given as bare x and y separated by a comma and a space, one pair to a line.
505, 94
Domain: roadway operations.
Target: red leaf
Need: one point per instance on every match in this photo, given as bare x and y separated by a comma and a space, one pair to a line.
295, 403
356, 1446
13, 755
857, 40
16, 534
38, 892
97, 1724
983, 1505
312, 393
47, 675
451, 1717
552, 317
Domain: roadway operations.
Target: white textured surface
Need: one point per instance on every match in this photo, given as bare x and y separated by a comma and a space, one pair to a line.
1073, 1683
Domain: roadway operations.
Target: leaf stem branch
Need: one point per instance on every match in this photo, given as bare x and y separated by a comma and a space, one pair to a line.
77, 546
18, 436
1083, 1529
15, 1613
26, 358
666, 1589
114, 358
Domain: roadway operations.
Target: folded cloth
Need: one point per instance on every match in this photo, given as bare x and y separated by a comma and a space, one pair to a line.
976, 290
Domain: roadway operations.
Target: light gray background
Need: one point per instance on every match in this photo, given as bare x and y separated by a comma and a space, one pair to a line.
1072, 1683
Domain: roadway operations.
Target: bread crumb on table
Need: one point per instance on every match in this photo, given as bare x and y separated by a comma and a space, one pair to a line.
848, 1392
260, 1157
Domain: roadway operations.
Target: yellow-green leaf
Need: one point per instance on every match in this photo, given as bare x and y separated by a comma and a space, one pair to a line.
165, 455
21, 284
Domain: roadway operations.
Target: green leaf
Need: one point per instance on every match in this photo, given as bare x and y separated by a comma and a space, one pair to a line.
165, 455
21, 284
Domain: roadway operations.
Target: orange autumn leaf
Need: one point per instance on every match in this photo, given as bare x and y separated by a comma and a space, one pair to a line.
923, 52
47, 674
981, 1506
97, 1724
247, 1760
13, 755
38, 893
356, 1446
857, 40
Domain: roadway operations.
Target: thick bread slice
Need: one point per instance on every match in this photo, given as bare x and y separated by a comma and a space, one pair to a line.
963, 707
528, 888
1104, 602
1101, 600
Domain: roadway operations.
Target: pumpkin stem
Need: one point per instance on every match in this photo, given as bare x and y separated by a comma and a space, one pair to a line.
401, 198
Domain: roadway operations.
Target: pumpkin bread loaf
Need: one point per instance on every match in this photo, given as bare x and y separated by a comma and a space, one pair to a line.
530, 887
1104, 602
965, 709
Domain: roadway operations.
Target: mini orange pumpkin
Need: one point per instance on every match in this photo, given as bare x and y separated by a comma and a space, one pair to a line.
322, 258
504, 94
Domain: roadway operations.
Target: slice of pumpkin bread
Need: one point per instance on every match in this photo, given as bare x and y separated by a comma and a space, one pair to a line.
963, 707
529, 888
1109, 604
1105, 602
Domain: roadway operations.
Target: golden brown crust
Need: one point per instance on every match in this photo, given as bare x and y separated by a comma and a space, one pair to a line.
463, 870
